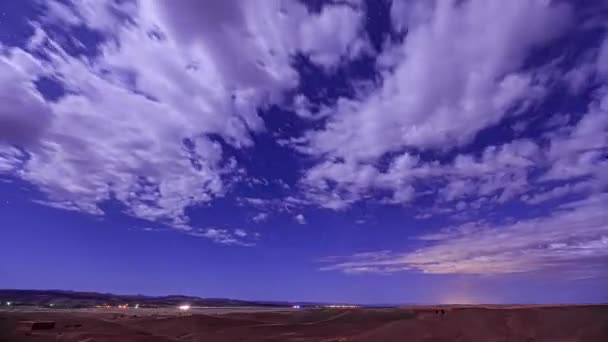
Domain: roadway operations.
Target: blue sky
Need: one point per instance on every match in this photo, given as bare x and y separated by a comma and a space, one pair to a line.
359, 151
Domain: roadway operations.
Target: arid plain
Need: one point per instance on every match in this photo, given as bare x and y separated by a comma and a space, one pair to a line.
565, 323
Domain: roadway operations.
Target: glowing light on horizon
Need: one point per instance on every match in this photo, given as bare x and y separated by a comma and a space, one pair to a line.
184, 307
462, 298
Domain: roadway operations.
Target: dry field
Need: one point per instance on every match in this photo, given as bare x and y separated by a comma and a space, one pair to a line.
587, 323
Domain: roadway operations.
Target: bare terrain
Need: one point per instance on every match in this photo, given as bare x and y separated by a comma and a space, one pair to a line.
588, 323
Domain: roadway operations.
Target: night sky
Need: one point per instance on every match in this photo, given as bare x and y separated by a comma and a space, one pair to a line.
343, 151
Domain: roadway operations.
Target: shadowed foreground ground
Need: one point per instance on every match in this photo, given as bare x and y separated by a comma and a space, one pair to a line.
523, 323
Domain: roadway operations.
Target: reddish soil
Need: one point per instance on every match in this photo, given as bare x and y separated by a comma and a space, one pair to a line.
513, 324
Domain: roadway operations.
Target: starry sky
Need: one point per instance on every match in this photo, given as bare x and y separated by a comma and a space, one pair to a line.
405, 151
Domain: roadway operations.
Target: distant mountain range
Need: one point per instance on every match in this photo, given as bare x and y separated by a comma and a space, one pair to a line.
75, 299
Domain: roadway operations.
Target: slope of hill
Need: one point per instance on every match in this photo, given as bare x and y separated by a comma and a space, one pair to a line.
74, 299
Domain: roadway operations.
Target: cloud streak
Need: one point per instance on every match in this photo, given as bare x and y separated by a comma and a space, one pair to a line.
573, 240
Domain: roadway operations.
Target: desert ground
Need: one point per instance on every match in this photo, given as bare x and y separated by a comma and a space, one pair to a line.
565, 323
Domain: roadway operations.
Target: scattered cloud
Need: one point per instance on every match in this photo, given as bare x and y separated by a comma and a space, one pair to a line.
168, 132
260, 217
501, 171
240, 233
559, 192
152, 229
149, 133
420, 111
237, 237
11, 158
480, 81
333, 33
300, 219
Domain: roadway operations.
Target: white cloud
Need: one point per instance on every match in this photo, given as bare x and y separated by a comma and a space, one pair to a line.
240, 233
215, 34
580, 151
11, 158
100, 15
106, 140
559, 192
350, 183
61, 13
224, 236
300, 219
260, 217
501, 170
334, 32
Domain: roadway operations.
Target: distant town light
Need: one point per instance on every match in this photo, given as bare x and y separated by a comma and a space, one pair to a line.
9, 303
137, 306
341, 306
296, 306
184, 307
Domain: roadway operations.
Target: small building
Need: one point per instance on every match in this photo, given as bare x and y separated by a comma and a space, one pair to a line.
35, 325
